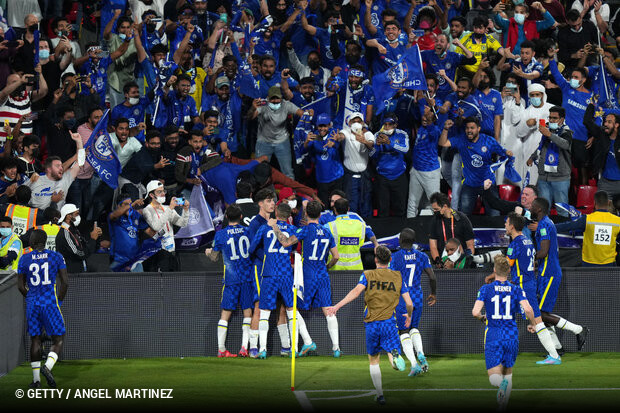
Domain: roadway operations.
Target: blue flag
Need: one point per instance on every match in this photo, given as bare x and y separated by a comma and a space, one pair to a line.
606, 87
101, 155
510, 172
408, 73
573, 212
304, 126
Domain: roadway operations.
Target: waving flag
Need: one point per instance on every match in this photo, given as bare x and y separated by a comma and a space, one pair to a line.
607, 98
406, 74
299, 137
200, 221
573, 212
510, 172
100, 153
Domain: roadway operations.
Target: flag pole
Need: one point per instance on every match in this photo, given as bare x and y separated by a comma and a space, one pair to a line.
294, 339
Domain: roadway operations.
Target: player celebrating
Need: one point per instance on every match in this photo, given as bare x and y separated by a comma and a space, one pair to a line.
521, 256
383, 288
37, 273
550, 275
501, 345
315, 242
239, 288
411, 262
277, 275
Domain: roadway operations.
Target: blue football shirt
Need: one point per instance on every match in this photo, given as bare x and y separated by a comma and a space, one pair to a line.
521, 253
276, 259
316, 242
234, 244
501, 301
550, 265
41, 269
411, 263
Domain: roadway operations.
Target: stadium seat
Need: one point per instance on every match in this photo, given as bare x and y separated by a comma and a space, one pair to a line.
585, 198
509, 193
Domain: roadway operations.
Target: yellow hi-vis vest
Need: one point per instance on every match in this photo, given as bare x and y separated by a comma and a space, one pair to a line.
51, 230
5, 249
349, 234
23, 217
599, 238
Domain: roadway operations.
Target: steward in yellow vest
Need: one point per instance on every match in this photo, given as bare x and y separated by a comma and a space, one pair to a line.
349, 232
10, 245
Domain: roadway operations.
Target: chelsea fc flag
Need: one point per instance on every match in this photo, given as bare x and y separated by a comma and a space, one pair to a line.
408, 73
100, 153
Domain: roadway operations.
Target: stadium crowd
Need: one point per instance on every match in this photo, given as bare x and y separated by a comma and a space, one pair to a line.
240, 95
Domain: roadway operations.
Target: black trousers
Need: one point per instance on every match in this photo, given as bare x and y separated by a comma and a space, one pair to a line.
393, 195
325, 189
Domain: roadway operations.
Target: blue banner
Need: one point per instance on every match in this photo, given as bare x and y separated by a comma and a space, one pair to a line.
408, 73
101, 155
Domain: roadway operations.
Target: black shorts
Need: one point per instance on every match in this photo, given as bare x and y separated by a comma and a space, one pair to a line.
580, 155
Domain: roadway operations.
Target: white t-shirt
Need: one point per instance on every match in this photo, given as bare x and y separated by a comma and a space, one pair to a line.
356, 153
44, 188
603, 11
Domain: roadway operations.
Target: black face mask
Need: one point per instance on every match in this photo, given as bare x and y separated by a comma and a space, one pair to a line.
19, 91
33, 27
150, 27
314, 64
478, 36
352, 59
483, 85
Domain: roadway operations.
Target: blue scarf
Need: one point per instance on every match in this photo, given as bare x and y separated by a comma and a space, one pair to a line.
552, 157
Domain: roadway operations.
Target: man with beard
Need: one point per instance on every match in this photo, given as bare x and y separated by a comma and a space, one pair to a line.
229, 68
269, 41
442, 59
77, 92
352, 56
170, 148
489, 102
227, 103
390, 47
606, 149
314, 70
59, 124
456, 30
306, 95
133, 107
178, 31
180, 105
122, 70
184, 59
151, 35
355, 94
54, 185
476, 151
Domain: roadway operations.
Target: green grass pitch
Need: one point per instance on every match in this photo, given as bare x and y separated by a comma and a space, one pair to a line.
588, 382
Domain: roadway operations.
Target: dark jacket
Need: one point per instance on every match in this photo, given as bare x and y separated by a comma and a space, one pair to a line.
74, 248
141, 167
601, 143
564, 141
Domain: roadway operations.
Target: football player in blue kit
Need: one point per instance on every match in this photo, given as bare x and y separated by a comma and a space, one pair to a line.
316, 241
239, 288
411, 263
43, 281
550, 274
501, 338
521, 256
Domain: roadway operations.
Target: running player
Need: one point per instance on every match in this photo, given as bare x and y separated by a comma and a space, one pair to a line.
411, 263
37, 272
501, 338
521, 256
315, 242
276, 274
239, 288
550, 274
383, 289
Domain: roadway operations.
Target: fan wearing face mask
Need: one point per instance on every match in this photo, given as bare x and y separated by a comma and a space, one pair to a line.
453, 256
133, 108
70, 242
518, 28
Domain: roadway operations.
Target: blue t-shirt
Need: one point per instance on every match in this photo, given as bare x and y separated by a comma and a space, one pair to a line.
501, 301
234, 244
521, 251
574, 101
449, 63
180, 110
550, 265
98, 73
383, 62
224, 178
230, 116
315, 245
424, 156
477, 158
391, 156
411, 263
611, 170
277, 259
41, 269
255, 224
325, 49
269, 47
134, 113
490, 106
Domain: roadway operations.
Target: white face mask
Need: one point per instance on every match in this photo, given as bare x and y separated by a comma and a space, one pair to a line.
292, 204
77, 220
134, 101
388, 132
356, 127
161, 199
453, 257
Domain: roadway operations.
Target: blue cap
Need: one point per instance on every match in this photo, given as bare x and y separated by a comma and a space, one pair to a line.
323, 119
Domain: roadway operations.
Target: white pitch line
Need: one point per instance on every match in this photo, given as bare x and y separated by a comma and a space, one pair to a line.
303, 400
460, 389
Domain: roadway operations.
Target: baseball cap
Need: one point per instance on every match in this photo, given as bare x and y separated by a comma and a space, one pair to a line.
221, 81
66, 210
274, 91
323, 119
285, 193
153, 185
